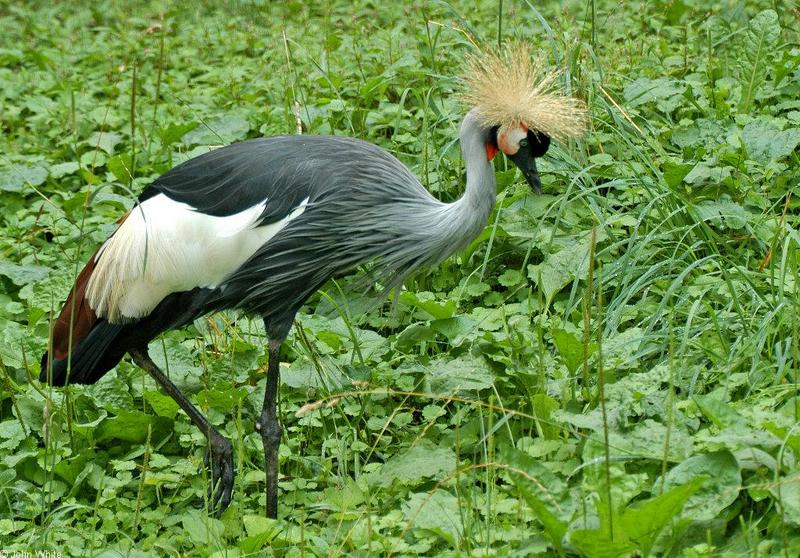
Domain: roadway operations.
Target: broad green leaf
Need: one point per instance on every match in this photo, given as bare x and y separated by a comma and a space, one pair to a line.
202, 529
789, 62
787, 494
120, 167
562, 268
643, 90
61, 170
432, 412
173, 132
413, 335
29, 409
592, 420
162, 405
706, 173
345, 497
687, 136
196, 151
460, 374
107, 141
23, 274
11, 56
620, 349
510, 278
666, 93
488, 319
646, 439
422, 461
260, 532
124, 202
758, 48
784, 143
601, 159
17, 178
92, 160
455, 329
521, 219
765, 141
304, 374
12, 433
18, 347
543, 407
675, 11
674, 173
69, 469
644, 521
222, 397
258, 524
723, 483
112, 394
787, 434
174, 357
570, 349
719, 412
723, 213
594, 543
438, 512
541, 490
128, 426
435, 308
220, 130
476, 288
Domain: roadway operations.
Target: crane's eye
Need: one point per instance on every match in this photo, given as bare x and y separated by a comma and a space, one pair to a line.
523, 142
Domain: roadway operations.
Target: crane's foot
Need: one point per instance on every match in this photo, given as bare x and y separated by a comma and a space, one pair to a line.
270, 430
219, 460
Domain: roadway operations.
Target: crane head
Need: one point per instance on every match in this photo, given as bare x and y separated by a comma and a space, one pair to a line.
522, 146
518, 100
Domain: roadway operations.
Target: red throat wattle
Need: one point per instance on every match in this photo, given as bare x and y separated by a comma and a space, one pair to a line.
491, 151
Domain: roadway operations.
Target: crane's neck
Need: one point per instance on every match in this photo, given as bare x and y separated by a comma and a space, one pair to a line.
433, 230
417, 230
474, 138
476, 204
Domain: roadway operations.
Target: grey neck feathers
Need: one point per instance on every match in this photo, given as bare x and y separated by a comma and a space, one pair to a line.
464, 219
480, 192
425, 230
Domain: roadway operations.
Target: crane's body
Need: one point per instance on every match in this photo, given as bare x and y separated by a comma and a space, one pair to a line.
260, 226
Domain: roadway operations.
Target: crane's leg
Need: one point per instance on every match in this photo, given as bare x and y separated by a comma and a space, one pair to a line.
220, 452
269, 427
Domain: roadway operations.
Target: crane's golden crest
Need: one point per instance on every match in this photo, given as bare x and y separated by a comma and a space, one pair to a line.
510, 89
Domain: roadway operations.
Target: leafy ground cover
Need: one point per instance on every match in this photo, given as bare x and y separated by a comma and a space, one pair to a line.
610, 370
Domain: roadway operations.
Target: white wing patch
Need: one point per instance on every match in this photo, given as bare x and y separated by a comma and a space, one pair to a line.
165, 247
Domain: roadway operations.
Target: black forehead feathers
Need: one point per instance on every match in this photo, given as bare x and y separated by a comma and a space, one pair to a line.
493, 135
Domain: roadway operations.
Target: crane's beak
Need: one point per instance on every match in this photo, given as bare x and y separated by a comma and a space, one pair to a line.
526, 163
531, 175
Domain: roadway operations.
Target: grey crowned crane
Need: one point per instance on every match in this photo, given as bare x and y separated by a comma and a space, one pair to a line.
260, 225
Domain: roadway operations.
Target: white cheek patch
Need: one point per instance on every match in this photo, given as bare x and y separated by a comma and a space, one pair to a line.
508, 138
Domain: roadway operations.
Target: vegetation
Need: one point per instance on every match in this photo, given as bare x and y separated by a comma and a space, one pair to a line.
610, 370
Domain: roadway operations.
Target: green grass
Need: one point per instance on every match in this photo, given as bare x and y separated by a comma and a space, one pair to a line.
610, 370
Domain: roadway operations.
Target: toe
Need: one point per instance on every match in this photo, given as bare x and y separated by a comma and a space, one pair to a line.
220, 463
